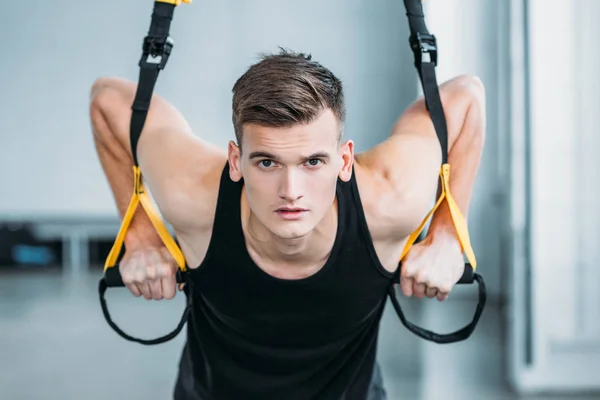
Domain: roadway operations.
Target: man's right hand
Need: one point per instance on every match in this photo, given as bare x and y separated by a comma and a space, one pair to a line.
149, 272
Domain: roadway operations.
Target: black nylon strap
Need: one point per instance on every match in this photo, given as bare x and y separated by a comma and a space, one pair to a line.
424, 47
140, 107
416, 18
457, 336
162, 15
155, 54
434, 105
102, 286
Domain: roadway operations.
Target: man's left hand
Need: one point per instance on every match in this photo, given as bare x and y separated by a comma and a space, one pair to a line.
432, 267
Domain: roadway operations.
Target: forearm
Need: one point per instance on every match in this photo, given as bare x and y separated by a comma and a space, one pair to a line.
464, 156
117, 163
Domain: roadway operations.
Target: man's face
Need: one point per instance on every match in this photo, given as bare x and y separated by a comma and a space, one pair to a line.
290, 174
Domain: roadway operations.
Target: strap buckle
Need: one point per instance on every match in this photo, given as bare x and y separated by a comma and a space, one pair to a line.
424, 47
156, 52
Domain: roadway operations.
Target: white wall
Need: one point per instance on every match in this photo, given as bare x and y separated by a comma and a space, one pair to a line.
48, 165
564, 220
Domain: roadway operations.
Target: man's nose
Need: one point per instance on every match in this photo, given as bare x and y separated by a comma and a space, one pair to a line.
290, 187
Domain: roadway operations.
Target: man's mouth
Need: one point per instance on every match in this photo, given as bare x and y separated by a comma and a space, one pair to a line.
291, 212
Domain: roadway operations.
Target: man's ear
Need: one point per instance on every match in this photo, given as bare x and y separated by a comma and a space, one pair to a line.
347, 151
234, 156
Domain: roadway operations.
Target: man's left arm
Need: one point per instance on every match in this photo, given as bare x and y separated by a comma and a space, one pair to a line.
433, 266
405, 172
465, 148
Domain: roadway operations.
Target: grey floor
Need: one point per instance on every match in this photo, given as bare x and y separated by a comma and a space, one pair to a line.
55, 344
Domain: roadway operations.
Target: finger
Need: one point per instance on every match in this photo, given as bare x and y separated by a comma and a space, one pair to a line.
154, 275
156, 289
129, 281
166, 277
441, 296
145, 289
168, 288
134, 289
406, 284
419, 290
139, 283
147, 281
130, 284
431, 292
181, 286
168, 284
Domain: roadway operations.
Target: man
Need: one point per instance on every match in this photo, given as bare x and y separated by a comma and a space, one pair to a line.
291, 239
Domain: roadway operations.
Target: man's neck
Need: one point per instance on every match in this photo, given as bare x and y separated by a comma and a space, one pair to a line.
301, 253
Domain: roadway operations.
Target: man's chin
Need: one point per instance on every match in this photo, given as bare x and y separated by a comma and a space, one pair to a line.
290, 232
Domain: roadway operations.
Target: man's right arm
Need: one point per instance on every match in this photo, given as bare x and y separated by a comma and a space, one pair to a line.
180, 170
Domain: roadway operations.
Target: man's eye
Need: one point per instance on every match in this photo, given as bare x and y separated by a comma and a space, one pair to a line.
314, 162
265, 163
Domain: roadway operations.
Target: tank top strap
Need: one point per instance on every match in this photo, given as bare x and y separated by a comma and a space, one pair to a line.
360, 225
228, 212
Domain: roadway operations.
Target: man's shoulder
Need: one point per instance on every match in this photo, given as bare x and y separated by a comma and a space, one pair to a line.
396, 196
188, 201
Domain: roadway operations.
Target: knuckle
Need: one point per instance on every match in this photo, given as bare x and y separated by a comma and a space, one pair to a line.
421, 276
151, 272
166, 270
139, 277
127, 278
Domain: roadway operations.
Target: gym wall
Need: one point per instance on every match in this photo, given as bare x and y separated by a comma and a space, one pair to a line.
48, 164
49, 169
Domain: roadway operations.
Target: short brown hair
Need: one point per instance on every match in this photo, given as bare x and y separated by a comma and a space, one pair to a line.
285, 89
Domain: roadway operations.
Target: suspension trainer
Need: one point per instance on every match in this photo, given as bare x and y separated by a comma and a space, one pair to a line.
156, 49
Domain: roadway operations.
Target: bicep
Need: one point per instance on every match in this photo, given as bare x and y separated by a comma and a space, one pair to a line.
182, 173
408, 163
401, 177
179, 169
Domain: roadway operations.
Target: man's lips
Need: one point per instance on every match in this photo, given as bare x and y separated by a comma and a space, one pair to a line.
291, 213
291, 209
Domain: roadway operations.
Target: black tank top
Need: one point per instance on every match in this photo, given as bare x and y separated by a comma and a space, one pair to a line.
253, 336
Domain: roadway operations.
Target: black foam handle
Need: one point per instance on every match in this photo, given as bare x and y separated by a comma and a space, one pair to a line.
468, 275
112, 277
467, 278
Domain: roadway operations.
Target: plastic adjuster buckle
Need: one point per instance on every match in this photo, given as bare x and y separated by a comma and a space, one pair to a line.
156, 52
424, 47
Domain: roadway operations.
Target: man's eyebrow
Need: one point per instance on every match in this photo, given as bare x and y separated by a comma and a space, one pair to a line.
320, 154
262, 154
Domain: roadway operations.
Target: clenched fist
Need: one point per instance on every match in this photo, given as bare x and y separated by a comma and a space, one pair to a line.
149, 272
432, 268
